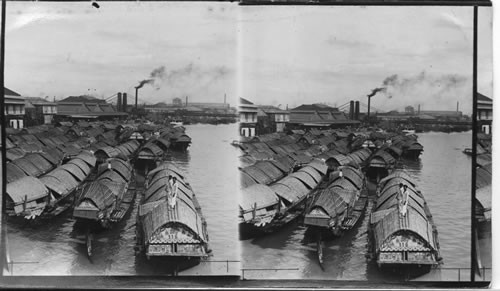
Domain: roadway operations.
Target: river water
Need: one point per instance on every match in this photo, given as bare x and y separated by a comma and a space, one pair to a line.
52, 247
443, 174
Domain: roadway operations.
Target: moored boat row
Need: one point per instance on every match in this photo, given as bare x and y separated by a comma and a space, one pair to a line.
49, 194
338, 201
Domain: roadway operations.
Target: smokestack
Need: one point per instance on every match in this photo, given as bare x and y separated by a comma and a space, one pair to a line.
457, 107
186, 101
136, 92
124, 102
224, 98
368, 113
351, 110
119, 102
418, 112
356, 110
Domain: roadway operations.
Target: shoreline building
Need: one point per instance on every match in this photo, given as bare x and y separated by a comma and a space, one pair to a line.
248, 117
87, 108
39, 111
484, 113
271, 119
14, 109
319, 116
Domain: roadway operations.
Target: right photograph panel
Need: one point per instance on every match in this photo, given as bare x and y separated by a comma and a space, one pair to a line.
484, 129
356, 127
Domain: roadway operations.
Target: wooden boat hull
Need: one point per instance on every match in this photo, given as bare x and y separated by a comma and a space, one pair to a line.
250, 230
412, 154
180, 146
376, 173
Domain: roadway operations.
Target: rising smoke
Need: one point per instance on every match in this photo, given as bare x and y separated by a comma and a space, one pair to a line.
186, 79
437, 90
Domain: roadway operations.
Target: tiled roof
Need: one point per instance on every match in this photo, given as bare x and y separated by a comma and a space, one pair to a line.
245, 101
31, 101
481, 97
271, 109
314, 107
83, 99
323, 117
88, 109
93, 107
7, 91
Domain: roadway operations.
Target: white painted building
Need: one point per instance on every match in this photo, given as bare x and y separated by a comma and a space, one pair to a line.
248, 117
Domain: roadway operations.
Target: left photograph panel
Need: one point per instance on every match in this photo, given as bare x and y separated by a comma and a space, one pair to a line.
119, 121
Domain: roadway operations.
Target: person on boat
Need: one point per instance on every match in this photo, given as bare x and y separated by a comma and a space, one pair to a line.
400, 198
405, 200
168, 188
174, 189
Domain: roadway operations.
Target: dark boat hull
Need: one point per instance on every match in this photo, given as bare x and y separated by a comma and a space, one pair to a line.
412, 154
249, 230
376, 173
180, 146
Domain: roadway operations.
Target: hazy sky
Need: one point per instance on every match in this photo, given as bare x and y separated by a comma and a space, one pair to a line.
62, 49
269, 55
294, 55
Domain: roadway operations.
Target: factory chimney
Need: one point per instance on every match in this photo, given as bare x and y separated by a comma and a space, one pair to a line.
186, 101
351, 110
418, 111
356, 110
119, 102
124, 102
224, 98
457, 107
136, 93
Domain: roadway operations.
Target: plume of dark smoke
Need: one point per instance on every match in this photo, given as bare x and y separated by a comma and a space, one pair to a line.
375, 91
188, 80
438, 88
143, 82
188, 76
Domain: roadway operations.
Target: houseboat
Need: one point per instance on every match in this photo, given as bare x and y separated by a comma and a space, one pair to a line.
338, 206
403, 238
105, 200
171, 233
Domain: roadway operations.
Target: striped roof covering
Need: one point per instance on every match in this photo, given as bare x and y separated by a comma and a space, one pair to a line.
258, 175
28, 166
265, 172
150, 150
109, 186
14, 172
246, 180
334, 201
29, 188
186, 214
382, 159
258, 195
388, 222
121, 167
